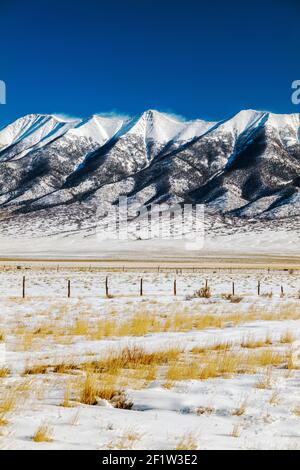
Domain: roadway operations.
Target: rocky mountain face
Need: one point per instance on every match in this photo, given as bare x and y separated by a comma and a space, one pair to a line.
56, 173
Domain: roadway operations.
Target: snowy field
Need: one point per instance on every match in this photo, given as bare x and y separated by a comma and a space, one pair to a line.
211, 370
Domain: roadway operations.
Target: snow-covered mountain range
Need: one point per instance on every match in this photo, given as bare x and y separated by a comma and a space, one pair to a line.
55, 172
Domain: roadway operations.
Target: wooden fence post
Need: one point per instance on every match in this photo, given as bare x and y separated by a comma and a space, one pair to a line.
69, 289
175, 287
24, 288
233, 289
141, 286
106, 287
258, 288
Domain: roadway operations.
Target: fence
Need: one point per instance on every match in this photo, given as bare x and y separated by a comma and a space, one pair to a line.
177, 286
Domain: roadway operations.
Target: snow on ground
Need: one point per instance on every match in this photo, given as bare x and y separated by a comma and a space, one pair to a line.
237, 409
238, 243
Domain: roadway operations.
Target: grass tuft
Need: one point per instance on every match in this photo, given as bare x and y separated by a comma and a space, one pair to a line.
92, 391
235, 431
187, 442
4, 372
44, 433
240, 410
287, 338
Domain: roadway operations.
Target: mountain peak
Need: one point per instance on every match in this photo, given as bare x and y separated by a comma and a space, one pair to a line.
98, 128
248, 164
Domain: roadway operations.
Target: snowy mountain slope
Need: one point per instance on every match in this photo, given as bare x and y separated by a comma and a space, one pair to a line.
98, 128
56, 172
32, 131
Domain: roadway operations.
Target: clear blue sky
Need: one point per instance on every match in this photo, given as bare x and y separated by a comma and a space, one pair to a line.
206, 59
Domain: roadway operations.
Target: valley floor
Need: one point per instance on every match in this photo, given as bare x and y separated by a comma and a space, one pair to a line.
202, 369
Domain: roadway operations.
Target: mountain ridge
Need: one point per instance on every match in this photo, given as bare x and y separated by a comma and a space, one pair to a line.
244, 167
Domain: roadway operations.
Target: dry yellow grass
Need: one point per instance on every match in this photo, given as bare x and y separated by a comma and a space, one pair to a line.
23, 387
89, 392
291, 365
218, 360
104, 329
59, 368
235, 431
132, 358
187, 442
217, 365
93, 389
266, 357
26, 342
203, 292
132, 435
179, 322
126, 441
222, 363
274, 399
147, 373
4, 372
36, 369
182, 371
133, 363
265, 382
241, 409
287, 338
2, 336
45, 329
139, 325
227, 346
3, 419
105, 378
44, 433
75, 418
64, 368
205, 410
146, 319
251, 343
297, 411
66, 403
8, 402
235, 299
80, 328
124, 365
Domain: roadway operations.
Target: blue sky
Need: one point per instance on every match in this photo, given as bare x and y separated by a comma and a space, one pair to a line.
206, 59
